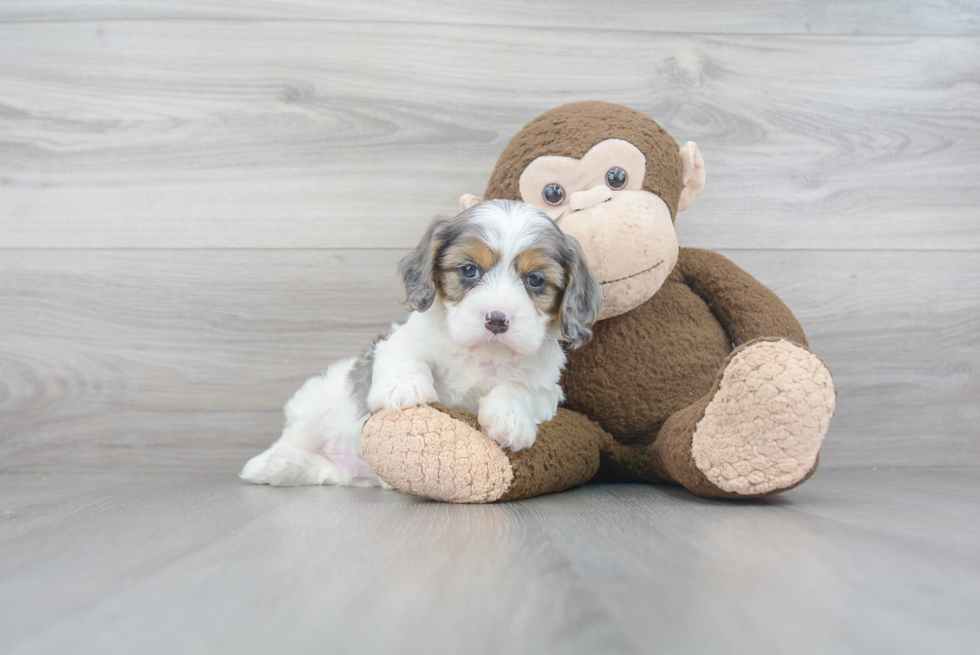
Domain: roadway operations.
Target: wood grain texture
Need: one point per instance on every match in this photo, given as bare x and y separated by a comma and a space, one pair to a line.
272, 134
661, 565
115, 354
201, 204
203, 564
113, 533
726, 16
164, 360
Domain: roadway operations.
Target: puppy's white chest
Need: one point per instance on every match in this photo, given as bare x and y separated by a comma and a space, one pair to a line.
463, 379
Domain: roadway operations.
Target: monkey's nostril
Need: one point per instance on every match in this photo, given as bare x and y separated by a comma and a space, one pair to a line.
497, 322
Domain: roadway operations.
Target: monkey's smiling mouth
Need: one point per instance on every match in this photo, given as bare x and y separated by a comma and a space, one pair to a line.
646, 270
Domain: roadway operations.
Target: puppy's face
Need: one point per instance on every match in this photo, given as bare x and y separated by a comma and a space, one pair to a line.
507, 276
497, 287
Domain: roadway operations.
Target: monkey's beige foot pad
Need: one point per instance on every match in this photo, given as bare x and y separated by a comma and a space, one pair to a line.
762, 429
424, 452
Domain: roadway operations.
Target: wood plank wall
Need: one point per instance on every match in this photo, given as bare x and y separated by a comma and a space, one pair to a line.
201, 204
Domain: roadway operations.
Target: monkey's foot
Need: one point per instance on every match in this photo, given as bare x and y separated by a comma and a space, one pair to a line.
426, 452
440, 453
762, 429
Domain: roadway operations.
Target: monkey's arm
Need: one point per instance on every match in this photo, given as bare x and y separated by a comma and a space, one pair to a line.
745, 308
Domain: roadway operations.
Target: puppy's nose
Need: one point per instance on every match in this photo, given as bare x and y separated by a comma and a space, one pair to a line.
497, 322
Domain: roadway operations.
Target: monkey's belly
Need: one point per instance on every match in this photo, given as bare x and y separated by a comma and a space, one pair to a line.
646, 364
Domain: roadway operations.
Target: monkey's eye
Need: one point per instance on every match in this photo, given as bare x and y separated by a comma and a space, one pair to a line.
534, 281
470, 271
616, 178
554, 194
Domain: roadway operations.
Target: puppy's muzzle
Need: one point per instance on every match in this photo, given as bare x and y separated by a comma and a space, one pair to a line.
497, 322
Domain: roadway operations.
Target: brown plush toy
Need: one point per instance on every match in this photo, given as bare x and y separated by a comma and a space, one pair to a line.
696, 373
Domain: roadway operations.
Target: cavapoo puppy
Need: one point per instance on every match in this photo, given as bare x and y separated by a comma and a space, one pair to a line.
495, 291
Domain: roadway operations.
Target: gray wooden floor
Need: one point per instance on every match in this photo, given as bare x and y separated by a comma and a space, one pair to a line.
877, 561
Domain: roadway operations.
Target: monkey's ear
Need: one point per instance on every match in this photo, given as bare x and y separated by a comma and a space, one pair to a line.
693, 175
468, 200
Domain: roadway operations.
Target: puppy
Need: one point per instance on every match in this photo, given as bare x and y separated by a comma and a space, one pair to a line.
495, 291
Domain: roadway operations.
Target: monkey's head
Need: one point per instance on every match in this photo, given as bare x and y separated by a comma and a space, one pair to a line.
612, 178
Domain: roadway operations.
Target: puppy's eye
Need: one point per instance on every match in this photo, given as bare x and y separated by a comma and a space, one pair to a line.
616, 178
470, 271
553, 194
534, 281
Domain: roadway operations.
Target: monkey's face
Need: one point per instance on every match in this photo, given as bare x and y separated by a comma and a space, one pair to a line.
611, 177
626, 232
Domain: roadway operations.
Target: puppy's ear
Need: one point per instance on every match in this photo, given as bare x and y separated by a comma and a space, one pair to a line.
583, 297
417, 268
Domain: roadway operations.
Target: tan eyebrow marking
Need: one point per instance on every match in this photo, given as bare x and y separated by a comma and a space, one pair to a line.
473, 250
536, 260
449, 285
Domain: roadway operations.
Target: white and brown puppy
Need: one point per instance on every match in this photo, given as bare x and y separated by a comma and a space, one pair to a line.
495, 291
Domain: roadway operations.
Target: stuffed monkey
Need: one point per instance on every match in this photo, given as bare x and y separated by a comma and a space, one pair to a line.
696, 374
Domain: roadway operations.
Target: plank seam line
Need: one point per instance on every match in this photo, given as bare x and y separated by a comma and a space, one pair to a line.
563, 28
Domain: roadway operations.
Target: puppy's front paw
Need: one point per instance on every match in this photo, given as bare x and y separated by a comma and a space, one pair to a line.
401, 393
507, 425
